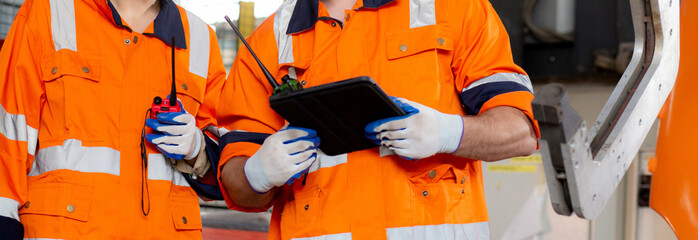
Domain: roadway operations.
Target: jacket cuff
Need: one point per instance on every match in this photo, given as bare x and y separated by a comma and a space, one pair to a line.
201, 165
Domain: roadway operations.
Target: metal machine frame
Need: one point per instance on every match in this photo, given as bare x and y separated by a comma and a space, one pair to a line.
583, 168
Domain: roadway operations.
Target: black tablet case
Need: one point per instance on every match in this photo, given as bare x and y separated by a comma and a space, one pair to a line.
338, 111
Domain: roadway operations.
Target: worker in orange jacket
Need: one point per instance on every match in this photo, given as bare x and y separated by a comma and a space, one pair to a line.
449, 65
77, 78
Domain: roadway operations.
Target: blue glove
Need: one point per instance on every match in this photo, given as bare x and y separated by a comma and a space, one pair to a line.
176, 134
422, 133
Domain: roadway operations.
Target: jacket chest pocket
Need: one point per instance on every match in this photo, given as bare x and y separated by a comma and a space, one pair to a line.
76, 100
418, 58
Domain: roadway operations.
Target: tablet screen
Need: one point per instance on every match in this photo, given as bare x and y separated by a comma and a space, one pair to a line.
338, 111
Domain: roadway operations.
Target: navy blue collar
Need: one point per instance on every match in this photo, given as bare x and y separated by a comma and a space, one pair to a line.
167, 24
305, 14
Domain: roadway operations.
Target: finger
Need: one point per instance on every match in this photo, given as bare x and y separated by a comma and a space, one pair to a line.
303, 157
154, 124
301, 132
406, 105
167, 148
155, 138
167, 140
379, 125
388, 124
310, 132
393, 135
397, 144
315, 141
298, 146
177, 118
168, 154
305, 164
174, 140
184, 118
174, 130
293, 135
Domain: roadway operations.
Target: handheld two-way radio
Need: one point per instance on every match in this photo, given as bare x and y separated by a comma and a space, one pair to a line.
168, 104
288, 84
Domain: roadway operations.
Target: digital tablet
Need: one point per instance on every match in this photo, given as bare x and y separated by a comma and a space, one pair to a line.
338, 111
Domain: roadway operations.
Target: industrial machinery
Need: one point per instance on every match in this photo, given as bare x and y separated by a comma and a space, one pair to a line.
584, 166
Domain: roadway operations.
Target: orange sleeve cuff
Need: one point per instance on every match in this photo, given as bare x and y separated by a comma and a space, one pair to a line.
519, 99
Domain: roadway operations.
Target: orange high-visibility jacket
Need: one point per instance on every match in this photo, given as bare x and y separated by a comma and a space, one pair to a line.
75, 84
435, 52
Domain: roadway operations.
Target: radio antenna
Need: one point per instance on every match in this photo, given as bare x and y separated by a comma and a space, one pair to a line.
268, 75
173, 90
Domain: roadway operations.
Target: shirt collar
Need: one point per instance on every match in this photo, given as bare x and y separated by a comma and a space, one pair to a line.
167, 24
305, 14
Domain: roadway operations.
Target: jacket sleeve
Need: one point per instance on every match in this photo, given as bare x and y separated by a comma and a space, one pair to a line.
244, 114
205, 120
206, 116
21, 92
485, 73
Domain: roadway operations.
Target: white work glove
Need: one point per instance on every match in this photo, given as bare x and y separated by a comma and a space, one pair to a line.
283, 157
422, 133
176, 134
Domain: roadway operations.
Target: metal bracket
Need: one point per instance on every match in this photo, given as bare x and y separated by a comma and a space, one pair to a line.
584, 168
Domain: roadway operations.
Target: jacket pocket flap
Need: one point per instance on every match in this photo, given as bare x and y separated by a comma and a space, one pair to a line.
69, 62
59, 199
191, 86
185, 214
442, 173
415, 40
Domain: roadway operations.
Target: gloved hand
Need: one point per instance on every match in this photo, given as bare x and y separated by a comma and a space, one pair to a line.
421, 133
283, 157
176, 134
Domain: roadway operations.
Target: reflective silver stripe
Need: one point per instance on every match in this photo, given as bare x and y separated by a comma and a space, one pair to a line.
222, 131
470, 231
14, 127
199, 46
422, 13
339, 236
73, 156
42, 239
160, 168
63, 24
8, 208
326, 161
212, 129
292, 72
284, 42
521, 79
